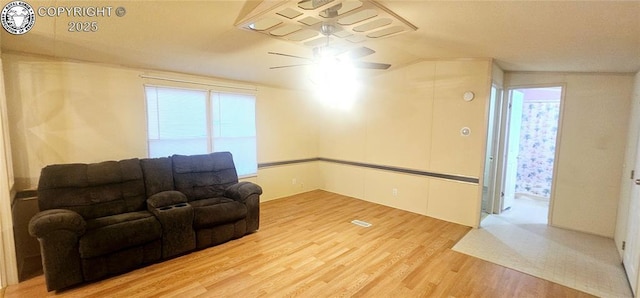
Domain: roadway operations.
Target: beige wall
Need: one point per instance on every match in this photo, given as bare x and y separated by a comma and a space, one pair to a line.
63, 112
591, 149
287, 130
412, 119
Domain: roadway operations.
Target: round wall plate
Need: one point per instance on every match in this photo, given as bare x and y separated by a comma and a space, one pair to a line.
468, 96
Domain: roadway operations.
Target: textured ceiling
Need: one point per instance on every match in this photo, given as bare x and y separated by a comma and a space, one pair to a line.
201, 37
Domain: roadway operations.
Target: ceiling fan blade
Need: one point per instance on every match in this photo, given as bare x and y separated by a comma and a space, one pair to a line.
287, 55
371, 65
287, 66
359, 52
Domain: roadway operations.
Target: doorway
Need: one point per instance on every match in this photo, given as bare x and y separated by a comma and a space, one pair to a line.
530, 151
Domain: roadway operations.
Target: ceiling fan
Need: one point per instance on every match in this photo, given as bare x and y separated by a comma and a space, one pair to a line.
322, 53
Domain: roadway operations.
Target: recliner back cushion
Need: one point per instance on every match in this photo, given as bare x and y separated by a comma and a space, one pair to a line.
204, 176
158, 174
93, 190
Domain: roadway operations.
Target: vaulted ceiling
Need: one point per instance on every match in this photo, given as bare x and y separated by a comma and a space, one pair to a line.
202, 37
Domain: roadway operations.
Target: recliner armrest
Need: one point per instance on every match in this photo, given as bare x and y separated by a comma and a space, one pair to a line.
172, 210
165, 198
58, 231
48, 221
242, 190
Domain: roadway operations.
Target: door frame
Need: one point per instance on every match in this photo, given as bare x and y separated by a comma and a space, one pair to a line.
502, 143
494, 126
8, 261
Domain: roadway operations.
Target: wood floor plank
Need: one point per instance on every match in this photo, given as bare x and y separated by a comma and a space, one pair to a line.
308, 247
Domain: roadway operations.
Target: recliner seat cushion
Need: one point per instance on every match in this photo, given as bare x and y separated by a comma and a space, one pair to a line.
215, 211
113, 233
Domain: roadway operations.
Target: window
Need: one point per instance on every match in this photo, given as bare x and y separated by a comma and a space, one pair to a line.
234, 128
185, 121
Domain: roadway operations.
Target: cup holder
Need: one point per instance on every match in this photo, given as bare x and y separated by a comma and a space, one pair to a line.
179, 205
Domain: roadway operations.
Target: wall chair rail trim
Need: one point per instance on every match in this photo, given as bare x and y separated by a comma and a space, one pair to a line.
452, 177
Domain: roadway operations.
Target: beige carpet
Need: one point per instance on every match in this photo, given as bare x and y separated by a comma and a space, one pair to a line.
520, 239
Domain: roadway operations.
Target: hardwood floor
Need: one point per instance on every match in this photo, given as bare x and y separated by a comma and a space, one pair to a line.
308, 247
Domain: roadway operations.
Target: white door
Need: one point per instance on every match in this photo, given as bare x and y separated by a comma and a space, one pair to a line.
513, 148
631, 254
490, 166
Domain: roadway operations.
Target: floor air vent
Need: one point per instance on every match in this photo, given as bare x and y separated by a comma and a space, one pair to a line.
361, 223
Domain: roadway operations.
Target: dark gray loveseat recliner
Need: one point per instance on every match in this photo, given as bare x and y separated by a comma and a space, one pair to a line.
101, 219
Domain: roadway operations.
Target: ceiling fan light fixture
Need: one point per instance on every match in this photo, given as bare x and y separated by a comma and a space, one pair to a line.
340, 23
324, 52
327, 29
335, 82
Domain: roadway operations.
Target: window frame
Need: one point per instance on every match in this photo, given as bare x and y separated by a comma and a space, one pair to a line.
210, 93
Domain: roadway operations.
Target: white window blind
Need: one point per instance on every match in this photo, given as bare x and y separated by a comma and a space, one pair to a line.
234, 130
184, 121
